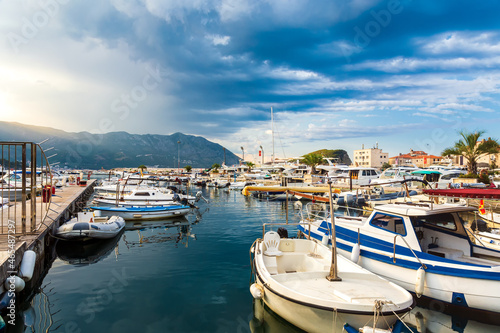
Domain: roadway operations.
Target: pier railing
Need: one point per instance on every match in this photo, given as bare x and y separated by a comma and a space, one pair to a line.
25, 187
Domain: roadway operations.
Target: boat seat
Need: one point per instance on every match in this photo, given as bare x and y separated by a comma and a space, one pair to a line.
446, 253
272, 242
271, 264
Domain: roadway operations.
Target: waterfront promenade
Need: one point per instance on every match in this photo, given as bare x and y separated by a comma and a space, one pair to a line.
66, 201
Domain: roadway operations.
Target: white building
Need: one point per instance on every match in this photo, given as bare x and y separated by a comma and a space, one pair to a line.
371, 157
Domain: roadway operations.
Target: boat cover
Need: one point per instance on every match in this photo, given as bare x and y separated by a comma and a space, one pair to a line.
478, 193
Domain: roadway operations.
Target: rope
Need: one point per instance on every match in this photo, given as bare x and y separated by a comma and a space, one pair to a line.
378, 307
54, 236
252, 264
335, 314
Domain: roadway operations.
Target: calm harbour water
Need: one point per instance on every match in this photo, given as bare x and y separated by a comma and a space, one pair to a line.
189, 275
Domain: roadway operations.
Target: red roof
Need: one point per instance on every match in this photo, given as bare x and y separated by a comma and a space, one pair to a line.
478, 193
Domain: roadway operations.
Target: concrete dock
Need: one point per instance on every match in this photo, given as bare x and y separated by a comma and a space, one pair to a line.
66, 201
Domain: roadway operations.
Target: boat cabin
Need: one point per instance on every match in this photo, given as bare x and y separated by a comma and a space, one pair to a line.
434, 229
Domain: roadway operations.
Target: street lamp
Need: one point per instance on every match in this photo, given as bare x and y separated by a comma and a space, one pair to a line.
178, 155
262, 150
243, 159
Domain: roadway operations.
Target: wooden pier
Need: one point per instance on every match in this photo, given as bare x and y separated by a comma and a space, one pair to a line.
66, 201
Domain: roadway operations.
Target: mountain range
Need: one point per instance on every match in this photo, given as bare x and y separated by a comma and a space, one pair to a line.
120, 149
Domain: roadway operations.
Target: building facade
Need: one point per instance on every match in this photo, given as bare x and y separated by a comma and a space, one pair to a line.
371, 157
415, 158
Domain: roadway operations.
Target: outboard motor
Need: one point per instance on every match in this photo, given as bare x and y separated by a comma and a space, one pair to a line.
282, 232
199, 195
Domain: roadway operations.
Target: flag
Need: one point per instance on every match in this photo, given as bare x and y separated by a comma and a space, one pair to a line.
260, 153
482, 211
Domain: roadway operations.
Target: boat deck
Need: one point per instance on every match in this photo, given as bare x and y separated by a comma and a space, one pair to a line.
354, 288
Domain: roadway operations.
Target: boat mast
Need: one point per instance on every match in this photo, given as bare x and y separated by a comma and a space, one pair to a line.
272, 135
333, 275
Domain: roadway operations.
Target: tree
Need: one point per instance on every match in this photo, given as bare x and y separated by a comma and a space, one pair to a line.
312, 160
142, 167
188, 168
250, 165
472, 149
385, 166
215, 167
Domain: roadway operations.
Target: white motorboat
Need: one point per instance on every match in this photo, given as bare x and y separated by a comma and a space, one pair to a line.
144, 213
291, 278
89, 225
4, 203
394, 175
425, 248
13, 193
149, 196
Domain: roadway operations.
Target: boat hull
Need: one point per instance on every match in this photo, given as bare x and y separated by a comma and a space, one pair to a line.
131, 214
318, 320
460, 285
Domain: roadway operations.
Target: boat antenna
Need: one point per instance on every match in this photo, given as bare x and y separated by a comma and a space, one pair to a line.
272, 134
333, 267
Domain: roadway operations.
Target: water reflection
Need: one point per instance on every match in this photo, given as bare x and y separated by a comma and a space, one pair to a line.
86, 253
265, 320
419, 320
178, 231
425, 320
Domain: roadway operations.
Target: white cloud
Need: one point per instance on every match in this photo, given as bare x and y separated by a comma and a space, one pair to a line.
218, 39
401, 64
460, 42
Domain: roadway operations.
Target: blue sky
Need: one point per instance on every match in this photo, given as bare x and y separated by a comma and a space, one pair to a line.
338, 74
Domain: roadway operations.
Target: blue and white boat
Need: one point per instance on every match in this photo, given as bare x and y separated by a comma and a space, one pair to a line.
144, 212
422, 247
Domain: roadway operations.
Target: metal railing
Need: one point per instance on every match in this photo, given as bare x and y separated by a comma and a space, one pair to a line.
409, 247
25, 174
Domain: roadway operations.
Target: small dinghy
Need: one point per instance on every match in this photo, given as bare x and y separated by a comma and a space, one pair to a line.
90, 225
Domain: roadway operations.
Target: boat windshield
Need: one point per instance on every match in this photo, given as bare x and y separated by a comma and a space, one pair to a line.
389, 173
391, 223
444, 221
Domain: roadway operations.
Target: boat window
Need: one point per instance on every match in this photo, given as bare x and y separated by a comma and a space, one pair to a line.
450, 176
390, 223
142, 194
444, 220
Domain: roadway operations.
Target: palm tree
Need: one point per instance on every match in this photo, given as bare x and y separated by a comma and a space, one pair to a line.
250, 165
472, 149
312, 160
142, 167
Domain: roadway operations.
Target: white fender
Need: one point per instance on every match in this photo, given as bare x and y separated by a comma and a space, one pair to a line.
14, 283
355, 253
324, 240
27, 265
420, 283
256, 291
